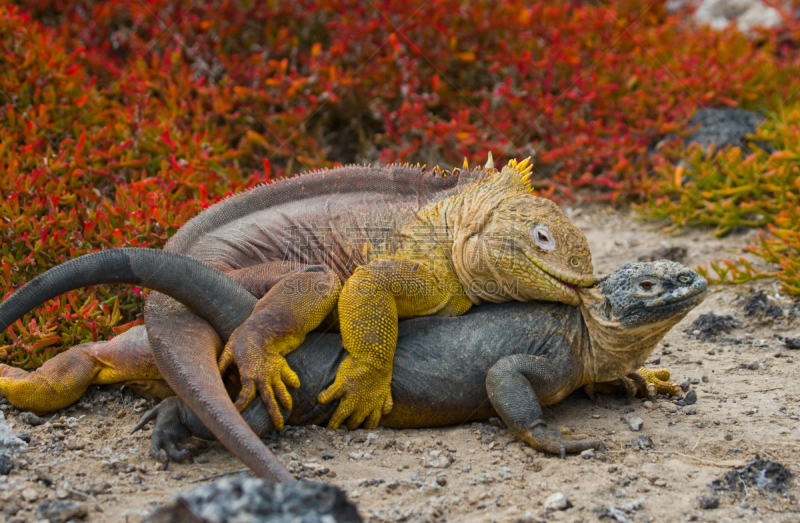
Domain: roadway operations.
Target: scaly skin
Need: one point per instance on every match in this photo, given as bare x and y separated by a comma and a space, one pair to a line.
448, 241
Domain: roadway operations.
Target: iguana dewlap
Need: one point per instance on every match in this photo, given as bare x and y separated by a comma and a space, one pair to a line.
373, 244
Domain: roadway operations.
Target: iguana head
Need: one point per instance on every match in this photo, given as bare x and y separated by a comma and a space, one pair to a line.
510, 244
629, 312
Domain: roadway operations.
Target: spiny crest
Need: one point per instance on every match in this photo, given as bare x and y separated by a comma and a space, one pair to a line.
515, 176
523, 171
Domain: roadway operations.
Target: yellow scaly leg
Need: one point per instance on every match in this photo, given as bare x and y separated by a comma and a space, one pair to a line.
373, 299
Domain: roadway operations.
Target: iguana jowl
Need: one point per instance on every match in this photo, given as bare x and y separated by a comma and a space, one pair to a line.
484, 238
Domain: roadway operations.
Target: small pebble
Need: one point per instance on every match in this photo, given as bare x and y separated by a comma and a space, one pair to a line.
636, 423
557, 501
694, 381
649, 405
685, 386
74, 444
327, 455
708, 502
29, 418
691, 398
587, 454
29, 495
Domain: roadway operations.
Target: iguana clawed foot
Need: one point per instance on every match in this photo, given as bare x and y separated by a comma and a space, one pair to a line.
173, 433
262, 371
556, 442
365, 395
650, 383
644, 382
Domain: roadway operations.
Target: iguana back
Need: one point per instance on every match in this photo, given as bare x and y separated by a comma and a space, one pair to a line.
293, 217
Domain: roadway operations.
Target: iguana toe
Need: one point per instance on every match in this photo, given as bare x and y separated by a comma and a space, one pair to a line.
653, 382
364, 394
262, 371
555, 442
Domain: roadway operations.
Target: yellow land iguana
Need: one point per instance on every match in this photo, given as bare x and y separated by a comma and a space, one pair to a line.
374, 245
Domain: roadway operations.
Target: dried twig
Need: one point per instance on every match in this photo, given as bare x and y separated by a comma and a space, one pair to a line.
220, 475
723, 464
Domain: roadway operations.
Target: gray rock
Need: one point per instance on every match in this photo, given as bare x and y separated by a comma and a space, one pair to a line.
708, 502
691, 398
636, 423
557, 501
745, 14
632, 506
9, 443
29, 418
242, 498
587, 454
724, 127
5, 465
61, 511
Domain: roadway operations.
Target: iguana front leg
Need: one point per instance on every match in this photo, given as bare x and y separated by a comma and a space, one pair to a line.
514, 385
291, 308
373, 299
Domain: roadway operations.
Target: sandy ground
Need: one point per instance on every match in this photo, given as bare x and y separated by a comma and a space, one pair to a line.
477, 472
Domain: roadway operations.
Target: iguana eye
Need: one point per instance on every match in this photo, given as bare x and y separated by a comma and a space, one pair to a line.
543, 237
684, 279
646, 285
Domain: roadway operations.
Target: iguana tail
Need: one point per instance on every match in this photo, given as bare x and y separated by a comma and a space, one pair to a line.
202, 288
209, 293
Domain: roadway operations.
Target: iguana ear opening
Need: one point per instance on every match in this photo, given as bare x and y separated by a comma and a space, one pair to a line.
608, 310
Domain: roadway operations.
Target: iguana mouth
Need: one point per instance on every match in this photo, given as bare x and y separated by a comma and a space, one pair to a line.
680, 296
567, 283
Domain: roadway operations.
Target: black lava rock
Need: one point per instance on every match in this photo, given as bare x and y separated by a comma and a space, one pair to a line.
759, 306
723, 127
711, 325
5, 465
760, 473
243, 498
